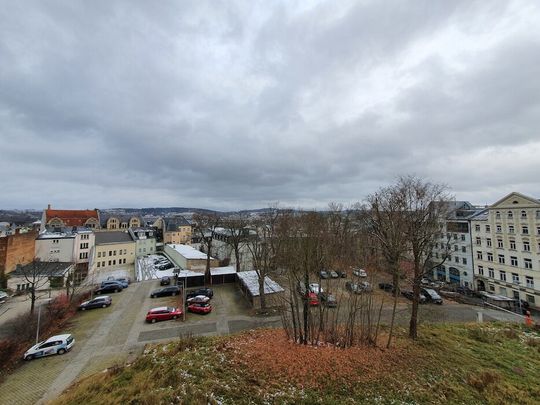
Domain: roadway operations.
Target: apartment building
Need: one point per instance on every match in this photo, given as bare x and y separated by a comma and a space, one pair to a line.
114, 248
118, 222
73, 245
175, 230
145, 240
53, 218
455, 243
506, 244
16, 248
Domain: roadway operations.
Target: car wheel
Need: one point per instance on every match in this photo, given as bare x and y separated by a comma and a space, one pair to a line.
174, 317
83, 309
173, 294
116, 290
61, 351
104, 306
151, 296
153, 320
98, 292
29, 357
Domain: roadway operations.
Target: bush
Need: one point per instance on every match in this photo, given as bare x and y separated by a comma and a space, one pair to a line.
483, 379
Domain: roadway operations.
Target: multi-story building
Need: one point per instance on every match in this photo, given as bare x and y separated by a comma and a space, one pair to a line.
114, 248
175, 230
17, 248
65, 245
56, 219
145, 240
117, 222
506, 243
454, 243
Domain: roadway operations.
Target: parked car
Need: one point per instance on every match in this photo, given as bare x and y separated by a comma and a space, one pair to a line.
328, 299
122, 280
165, 291
359, 273
409, 295
200, 308
163, 314
98, 302
312, 299
198, 298
358, 288
324, 274
165, 280
334, 274
432, 296
3, 296
166, 266
112, 282
201, 291
301, 288
388, 287
341, 274
425, 281
58, 344
315, 288
108, 288
364, 285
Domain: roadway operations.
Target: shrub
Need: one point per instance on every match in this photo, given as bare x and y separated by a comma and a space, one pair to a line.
480, 381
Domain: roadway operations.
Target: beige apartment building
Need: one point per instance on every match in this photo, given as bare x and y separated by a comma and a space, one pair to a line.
506, 248
114, 248
176, 230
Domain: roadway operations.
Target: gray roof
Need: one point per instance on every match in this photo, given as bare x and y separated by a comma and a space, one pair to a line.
48, 269
104, 217
250, 279
172, 224
106, 237
481, 216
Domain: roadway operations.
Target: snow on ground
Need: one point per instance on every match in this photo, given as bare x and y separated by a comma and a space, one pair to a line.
146, 269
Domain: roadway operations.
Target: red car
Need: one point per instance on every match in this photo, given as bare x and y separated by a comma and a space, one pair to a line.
313, 300
200, 308
163, 314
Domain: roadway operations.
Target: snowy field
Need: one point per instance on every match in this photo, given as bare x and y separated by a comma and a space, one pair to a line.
146, 269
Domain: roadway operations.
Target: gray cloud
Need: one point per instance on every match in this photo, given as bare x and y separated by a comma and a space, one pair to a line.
241, 104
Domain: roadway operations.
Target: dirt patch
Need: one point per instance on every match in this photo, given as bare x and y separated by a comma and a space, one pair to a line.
270, 356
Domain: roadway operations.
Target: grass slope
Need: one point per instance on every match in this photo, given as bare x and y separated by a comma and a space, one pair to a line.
461, 364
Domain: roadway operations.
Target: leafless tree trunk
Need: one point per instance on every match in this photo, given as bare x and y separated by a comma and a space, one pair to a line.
206, 225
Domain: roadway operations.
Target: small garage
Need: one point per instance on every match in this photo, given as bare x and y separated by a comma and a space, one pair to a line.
222, 275
249, 285
190, 278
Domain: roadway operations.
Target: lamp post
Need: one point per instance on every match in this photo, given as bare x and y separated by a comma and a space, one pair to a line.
519, 299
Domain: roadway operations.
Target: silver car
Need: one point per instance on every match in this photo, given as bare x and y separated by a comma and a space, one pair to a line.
58, 344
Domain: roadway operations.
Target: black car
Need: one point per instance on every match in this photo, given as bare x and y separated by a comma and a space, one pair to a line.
389, 287
341, 274
165, 291
109, 287
207, 292
165, 280
409, 295
166, 266
98, 302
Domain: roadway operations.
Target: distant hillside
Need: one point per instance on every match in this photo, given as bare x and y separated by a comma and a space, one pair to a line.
19, 217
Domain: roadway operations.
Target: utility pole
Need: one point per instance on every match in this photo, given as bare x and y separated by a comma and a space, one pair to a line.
38, 320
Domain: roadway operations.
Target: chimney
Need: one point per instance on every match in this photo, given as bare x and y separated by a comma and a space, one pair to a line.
49, 206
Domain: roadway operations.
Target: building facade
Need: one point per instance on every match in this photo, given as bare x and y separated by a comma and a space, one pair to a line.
120, 222
18, 248
55, 219
114, 248
145, 240
65, 245
176, 230
506, 243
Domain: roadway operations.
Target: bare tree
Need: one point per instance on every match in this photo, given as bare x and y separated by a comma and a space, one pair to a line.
387, 223
238, 234
35, 275
426, 205
206, 225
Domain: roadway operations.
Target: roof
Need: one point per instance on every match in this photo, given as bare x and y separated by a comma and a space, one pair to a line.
250, 279
218, 271
189, 273
172, 224
481, 216
48, 269
71, 217
103, 238
104, 217
64, 232
188, 252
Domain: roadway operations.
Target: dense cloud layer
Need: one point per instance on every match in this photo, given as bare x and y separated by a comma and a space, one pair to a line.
240, 104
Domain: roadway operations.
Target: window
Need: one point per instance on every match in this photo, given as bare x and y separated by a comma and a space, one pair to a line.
463, 238
502, 291
526, 246
490, 257
528, 263
525, 230
491, 287
464, 249
529, 282
125, 250
84, 245
512, 244
491, 273
515, 278
464, 260
500, 243
436, 255
515, 294
501, 259
110, 252
110, 262
488, 242
481, 270
502, 275
456, 259
83, 255
510, 215
510, 228
530, 298
538, 230
98, 254
114, 262
499, 228
498, 215
455, 248
479, 255
103, 264
523, 214
478, 241
513, 260
477, 228
98, 264
488, 228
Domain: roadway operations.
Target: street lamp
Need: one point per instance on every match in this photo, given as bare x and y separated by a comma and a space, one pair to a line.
519, 299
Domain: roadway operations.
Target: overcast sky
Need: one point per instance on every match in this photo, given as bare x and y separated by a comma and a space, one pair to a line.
232, 105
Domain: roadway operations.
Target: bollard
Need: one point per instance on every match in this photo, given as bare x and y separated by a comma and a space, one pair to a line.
479, 317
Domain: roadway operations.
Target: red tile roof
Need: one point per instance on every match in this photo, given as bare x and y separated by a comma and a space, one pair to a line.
72, 217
